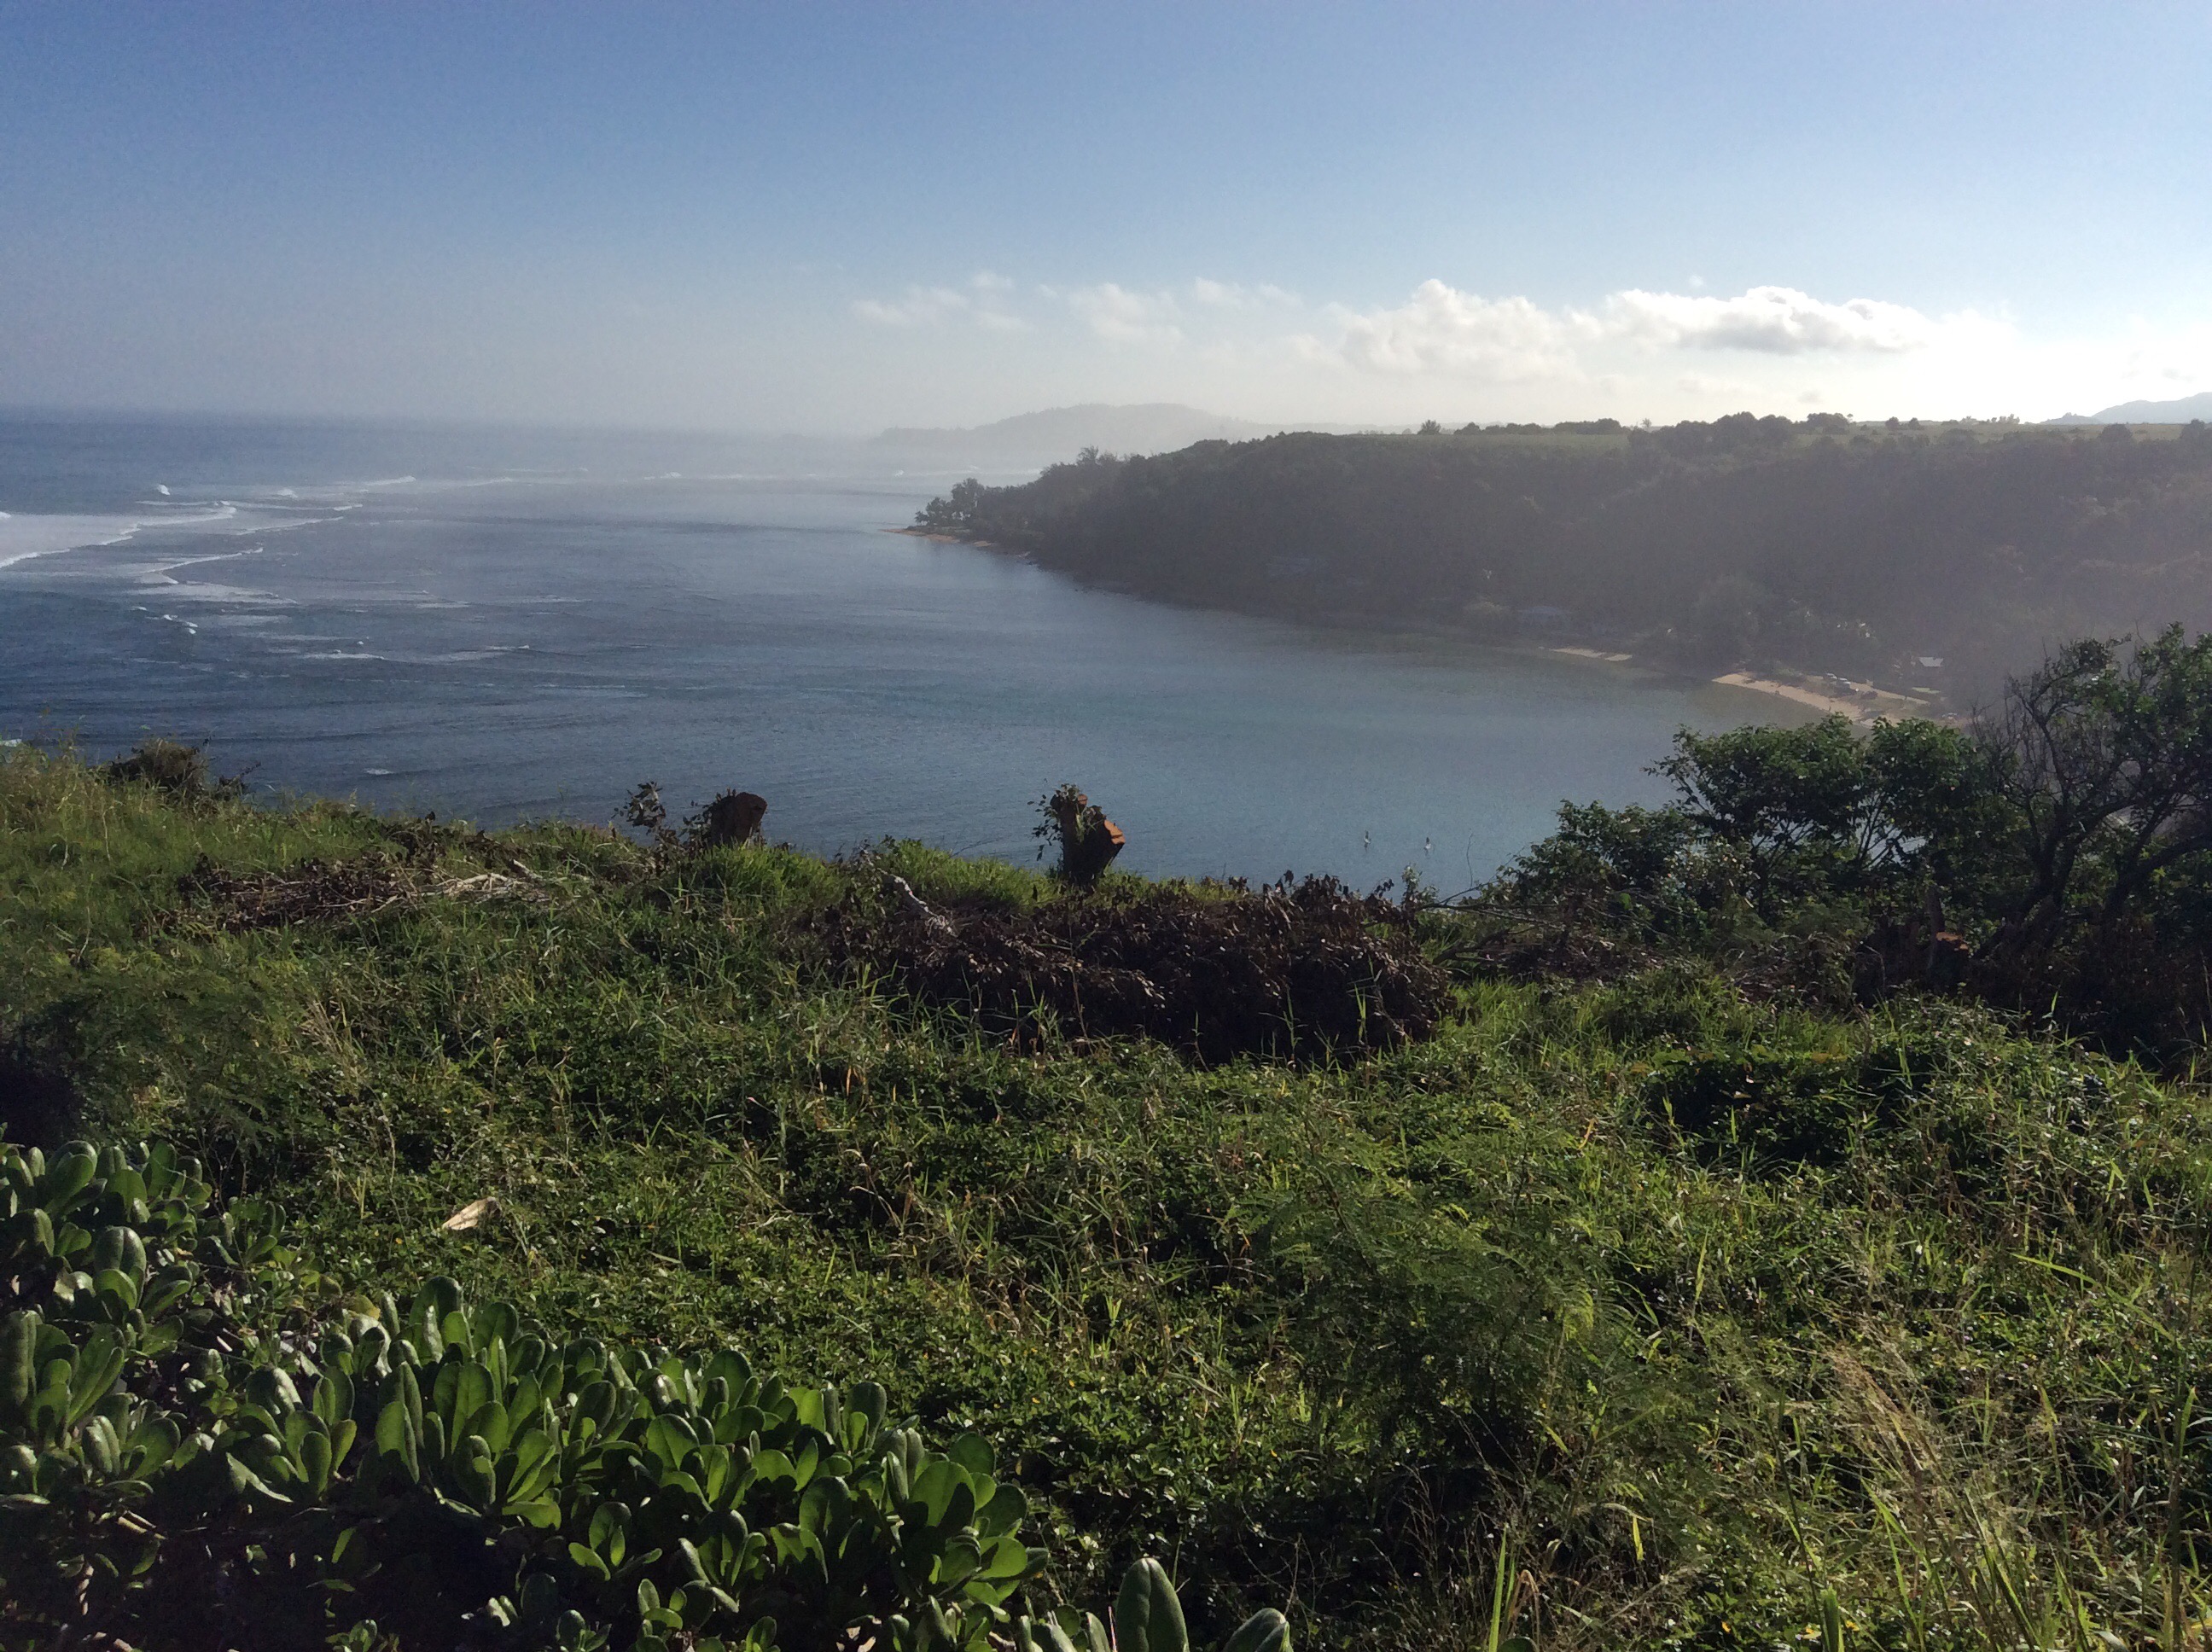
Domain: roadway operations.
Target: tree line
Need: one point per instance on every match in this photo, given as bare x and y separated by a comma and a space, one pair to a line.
1816, 545
2053, 857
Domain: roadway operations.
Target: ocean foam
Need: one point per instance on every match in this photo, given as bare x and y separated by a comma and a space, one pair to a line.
23, 538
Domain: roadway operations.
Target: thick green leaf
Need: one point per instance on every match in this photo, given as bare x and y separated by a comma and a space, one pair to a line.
395, 1438
19, 1345
1267, 1630
1147, 1616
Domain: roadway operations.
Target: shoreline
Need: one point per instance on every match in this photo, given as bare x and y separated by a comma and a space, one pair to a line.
1872, 707
935, 537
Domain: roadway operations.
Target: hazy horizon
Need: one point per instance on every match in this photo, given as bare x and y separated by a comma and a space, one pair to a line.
761, 222
869, 436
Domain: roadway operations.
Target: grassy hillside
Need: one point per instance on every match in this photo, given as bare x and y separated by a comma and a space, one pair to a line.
1691, 1306
1817, 544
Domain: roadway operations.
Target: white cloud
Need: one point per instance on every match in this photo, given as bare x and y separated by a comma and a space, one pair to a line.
1233, 296
1107, 310
1445, 351
983, 301
1113, 312
921, 307
1780, 320
1443, 330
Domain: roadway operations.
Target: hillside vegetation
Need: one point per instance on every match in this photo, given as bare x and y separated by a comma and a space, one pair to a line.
1669, 1300
1818, 545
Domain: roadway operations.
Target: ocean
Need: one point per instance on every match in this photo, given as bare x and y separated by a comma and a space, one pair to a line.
511, 625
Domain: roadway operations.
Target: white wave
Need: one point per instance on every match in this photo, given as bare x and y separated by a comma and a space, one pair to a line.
23, 538
146, 571
206, 590
279, 525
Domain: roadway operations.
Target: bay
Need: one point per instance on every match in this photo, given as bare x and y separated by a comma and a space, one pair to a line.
503, 625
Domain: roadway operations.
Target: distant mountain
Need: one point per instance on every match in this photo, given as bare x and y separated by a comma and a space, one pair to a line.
1060, 432
2177, 412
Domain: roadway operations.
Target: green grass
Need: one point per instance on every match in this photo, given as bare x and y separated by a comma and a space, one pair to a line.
1692, 1306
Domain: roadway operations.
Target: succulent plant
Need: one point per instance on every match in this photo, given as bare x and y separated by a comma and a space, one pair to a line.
633, 1497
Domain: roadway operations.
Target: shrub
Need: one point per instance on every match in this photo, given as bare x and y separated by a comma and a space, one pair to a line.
202, 1442
1088, 841
1292, 970
179, 769
2054, 858
726, 819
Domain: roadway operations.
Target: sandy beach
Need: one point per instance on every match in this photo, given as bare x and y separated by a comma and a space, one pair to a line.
1865, 707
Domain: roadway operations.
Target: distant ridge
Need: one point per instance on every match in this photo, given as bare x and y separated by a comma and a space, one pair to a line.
2198, 406
1061, 432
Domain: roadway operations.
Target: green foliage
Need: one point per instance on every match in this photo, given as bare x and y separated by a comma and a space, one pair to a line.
956, 512
2105, 758
1087, 840
1821, 809
179, 769
1768, 819
1816, 544
620, 1493
1487, 1337
2055, 856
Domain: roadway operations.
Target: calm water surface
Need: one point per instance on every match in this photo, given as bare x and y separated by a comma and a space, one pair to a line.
507, 626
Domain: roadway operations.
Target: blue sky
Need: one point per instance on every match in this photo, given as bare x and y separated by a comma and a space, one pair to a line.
830, 218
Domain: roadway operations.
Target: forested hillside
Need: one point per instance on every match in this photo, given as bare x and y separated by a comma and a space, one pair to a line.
1818, 545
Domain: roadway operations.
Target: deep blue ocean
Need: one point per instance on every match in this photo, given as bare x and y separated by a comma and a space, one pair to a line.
502, 625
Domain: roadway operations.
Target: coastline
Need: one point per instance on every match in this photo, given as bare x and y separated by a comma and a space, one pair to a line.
947, 539
1868, 705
